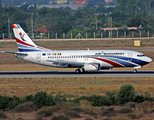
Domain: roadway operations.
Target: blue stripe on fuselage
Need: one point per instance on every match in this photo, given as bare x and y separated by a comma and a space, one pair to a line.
124, 60
125, 63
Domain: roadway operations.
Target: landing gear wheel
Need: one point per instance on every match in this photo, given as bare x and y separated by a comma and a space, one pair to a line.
135, 71
77, 71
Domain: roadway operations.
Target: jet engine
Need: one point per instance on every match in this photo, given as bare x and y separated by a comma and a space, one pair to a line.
92, 67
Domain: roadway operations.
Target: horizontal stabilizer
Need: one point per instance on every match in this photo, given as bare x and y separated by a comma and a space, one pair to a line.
13, 52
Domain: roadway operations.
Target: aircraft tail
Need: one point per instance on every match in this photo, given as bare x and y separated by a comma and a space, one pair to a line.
24, 42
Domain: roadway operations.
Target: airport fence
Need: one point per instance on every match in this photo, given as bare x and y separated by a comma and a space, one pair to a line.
95, 35
86, 35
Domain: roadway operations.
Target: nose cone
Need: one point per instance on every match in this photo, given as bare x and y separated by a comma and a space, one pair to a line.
149, 59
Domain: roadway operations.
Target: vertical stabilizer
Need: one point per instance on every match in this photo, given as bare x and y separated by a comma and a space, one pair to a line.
24, 42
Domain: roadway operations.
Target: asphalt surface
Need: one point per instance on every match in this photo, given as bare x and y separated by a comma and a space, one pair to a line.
52, 74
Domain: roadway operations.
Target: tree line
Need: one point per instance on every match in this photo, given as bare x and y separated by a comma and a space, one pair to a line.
132, 13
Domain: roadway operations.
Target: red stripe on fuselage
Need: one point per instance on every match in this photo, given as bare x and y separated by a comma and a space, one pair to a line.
21, 42
114, 64
94, 66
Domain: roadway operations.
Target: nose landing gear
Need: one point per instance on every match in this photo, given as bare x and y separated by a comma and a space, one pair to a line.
136, 67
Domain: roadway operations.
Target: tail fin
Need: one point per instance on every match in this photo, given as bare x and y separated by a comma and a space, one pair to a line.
24, 42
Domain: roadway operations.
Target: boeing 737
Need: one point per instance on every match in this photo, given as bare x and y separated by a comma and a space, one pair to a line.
83, 60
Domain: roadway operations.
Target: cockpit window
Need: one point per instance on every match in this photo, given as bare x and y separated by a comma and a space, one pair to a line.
140, 55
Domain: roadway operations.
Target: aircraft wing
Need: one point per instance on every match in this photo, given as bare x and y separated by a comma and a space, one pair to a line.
67, 63
15, 52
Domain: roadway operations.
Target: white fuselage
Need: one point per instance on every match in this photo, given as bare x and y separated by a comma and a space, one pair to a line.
107, 59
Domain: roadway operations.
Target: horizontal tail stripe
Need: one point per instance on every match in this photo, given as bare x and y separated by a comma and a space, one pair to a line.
23, 46
23, 43
28, 50
114, 64
41, 48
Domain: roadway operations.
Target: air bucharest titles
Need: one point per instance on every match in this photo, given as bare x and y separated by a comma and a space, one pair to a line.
83, 60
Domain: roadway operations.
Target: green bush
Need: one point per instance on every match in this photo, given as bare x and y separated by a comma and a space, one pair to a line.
77, 109
59, 117
59, 97
4, 101
3, 115
28, 98
125, 110
25, 107
42, 99
14, 101
77, 100
138, 98
126, 94
98, 100
111, 97
73, 114
7, 102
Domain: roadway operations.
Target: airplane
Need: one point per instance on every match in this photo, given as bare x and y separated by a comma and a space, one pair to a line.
83, 60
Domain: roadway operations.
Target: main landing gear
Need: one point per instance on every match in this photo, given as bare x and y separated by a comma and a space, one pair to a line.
135, 71
79, 71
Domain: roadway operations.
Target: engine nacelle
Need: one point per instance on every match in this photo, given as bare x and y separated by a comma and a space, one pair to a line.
92, 67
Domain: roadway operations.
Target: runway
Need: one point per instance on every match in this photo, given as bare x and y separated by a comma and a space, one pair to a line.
64, 74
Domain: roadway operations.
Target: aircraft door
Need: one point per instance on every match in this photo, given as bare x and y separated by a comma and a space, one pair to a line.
129, 56
38, 57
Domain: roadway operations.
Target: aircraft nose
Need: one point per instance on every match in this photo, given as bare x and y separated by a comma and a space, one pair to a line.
149, 59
